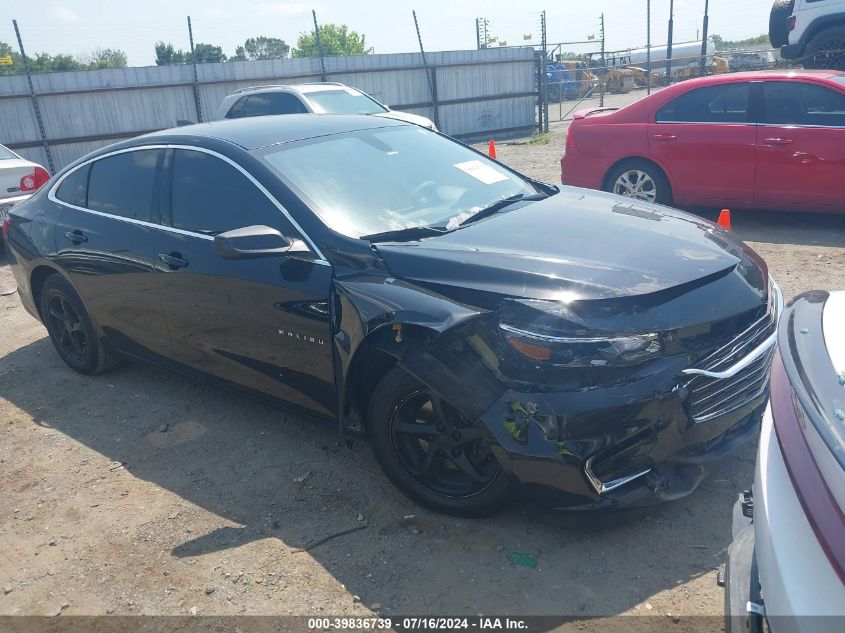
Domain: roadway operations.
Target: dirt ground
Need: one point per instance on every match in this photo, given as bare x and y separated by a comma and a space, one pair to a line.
144, 492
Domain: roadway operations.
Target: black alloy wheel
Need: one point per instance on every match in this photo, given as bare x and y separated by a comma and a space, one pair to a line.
71, 329
66, 326
431, 452
439, 448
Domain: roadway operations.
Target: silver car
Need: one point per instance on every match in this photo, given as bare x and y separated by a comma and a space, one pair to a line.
317, 98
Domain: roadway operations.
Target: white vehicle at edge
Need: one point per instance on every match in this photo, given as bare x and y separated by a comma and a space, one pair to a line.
787, 559
19, 179
812, 31
317, 98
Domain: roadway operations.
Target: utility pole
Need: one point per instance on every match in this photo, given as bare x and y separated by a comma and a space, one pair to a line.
704, 36
601, 79
648, 47
432, 86
35, 106
197, 101
669, 42
319, 46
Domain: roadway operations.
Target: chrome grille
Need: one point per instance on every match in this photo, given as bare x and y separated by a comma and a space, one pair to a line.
711, 397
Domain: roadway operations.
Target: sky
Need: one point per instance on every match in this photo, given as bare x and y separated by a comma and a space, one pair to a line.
79, 26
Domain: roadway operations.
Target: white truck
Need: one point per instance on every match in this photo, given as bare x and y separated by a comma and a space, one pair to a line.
811, 32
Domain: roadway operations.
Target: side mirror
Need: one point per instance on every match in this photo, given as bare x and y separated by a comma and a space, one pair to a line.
251, 242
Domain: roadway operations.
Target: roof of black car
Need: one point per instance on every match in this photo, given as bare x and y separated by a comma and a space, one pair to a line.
261, 131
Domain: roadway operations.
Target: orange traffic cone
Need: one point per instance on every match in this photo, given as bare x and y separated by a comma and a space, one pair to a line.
492, 149
725, 219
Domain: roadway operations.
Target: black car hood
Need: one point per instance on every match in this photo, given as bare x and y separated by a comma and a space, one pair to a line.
575, 245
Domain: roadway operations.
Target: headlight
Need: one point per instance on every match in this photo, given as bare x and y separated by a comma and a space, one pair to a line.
538, 341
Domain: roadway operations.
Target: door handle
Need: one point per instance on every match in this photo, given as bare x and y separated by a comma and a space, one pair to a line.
76, 236
778, 141
173, 260
664, 137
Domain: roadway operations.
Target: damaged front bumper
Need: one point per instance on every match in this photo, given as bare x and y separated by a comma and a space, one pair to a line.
640, 443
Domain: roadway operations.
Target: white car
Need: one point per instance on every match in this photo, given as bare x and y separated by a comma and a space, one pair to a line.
810, 31
317, 98
19, 179
787, 560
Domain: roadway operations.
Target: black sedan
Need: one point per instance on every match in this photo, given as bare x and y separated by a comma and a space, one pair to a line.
481, 328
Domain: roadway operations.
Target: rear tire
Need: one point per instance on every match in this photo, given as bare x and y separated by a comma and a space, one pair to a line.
779, 22
831, 39
71, 329
431, 453
641, 180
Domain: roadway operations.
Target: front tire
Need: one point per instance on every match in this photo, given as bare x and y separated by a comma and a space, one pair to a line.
71, 329
826, 50
431, 452
641, 180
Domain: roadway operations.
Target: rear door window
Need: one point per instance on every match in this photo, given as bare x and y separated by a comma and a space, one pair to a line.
797, 103
209, 196
267, 103
124, 184
714, 104
74, 188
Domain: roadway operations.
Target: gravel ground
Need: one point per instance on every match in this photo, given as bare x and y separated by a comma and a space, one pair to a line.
144, 492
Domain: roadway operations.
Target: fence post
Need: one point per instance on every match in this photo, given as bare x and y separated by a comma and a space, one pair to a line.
196, 76
704, 38
602, 80
431, 79
319, 47
35, 106
669, 42
648, 48
543, 73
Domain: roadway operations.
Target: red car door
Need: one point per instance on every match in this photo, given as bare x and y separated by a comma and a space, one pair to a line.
801, 146
706, 143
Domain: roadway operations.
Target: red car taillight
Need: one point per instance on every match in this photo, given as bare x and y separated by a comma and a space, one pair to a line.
817, 500
36, 180
792, 21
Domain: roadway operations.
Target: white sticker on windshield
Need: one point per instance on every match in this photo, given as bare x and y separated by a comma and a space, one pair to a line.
481, 172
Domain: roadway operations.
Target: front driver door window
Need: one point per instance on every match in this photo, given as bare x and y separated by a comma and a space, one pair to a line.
257, 323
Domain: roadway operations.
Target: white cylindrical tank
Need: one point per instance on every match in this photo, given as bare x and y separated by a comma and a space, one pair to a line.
683, 54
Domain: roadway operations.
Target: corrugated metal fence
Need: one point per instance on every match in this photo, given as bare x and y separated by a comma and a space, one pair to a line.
479, 94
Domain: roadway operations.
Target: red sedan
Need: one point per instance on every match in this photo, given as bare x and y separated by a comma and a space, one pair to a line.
773, 140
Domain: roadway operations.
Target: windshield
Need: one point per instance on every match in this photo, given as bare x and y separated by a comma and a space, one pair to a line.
389, 179
344, 101
6, 153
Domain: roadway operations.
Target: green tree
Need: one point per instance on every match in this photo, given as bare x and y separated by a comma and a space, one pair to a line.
107, 58
239, 56
724, 45
166, 55
335, 39
265, 48
207, 54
